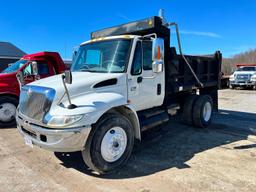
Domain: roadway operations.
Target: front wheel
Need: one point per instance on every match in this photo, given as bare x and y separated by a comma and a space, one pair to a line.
110, 143
8, 107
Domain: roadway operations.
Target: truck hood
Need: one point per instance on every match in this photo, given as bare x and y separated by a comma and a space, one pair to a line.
7, 75
7, 79
84, 83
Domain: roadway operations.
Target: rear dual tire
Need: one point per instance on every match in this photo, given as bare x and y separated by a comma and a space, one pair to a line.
197, 111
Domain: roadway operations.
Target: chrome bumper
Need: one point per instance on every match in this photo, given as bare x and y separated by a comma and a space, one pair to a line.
249, 83
58, 140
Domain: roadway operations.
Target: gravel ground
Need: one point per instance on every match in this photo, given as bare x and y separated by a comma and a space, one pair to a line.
174, 158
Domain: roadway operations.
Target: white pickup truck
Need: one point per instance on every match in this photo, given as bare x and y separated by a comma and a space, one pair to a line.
244, 76
125, 80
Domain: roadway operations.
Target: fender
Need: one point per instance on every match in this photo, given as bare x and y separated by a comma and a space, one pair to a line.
94, 105
5, 89
135, 120
9, 93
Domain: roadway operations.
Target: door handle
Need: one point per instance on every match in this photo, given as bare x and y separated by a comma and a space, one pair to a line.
139, 79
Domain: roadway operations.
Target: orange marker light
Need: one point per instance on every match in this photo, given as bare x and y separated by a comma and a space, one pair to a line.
158, 53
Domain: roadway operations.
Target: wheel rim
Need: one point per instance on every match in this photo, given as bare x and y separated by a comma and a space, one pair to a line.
7, 112
207, 111
113, 144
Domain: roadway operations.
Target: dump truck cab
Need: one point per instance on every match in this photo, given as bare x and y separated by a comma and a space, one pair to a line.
130, 58
125, 80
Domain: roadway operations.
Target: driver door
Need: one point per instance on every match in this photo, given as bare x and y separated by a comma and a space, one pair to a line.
145, 88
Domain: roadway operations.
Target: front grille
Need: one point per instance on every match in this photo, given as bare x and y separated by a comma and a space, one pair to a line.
35, 101
243, 77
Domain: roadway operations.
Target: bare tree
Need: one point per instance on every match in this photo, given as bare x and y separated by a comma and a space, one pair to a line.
229, 64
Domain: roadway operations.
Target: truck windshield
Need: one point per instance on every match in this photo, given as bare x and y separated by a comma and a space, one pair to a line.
108, 56
15, 66
247, 69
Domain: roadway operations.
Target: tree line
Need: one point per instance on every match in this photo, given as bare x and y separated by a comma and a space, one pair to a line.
229, 64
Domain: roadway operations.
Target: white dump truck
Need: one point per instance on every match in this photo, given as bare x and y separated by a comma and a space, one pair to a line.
125, 80
244, 76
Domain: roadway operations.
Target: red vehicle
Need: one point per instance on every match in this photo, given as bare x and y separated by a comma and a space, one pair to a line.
48, 64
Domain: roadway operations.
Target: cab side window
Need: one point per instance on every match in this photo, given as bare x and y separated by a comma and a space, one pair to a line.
147, 55
137, 60
43, 68
27, 70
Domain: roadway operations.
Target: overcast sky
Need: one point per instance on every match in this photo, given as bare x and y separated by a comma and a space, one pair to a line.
206, 25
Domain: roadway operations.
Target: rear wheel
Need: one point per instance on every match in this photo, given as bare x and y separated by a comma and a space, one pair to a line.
187, 116
202, 111
8, 106
110, 143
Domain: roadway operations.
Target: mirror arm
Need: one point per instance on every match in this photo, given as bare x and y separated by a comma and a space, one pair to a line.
20, 78
71, 106
150, 35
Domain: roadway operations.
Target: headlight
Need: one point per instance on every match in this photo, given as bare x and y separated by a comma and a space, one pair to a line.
62, 121
253, 78
232, 78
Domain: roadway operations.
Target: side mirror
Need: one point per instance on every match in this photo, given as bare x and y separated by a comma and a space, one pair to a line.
34, 68
68, 77
20, 78
157, 66
158, 55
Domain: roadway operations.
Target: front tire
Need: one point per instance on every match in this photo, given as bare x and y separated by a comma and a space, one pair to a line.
110, 143
8, 106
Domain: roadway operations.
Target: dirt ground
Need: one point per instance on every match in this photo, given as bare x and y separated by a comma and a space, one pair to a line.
174, 158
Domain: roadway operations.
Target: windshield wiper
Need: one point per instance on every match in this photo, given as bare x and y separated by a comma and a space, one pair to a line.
89, 70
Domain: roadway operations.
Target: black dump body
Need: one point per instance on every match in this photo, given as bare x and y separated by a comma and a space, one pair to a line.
179, 78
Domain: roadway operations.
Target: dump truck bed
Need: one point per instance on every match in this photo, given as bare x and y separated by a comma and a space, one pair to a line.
180, 78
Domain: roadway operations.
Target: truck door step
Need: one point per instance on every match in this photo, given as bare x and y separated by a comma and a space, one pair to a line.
153, 121
151, 112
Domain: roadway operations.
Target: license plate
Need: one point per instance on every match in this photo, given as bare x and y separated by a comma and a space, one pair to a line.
28, 142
